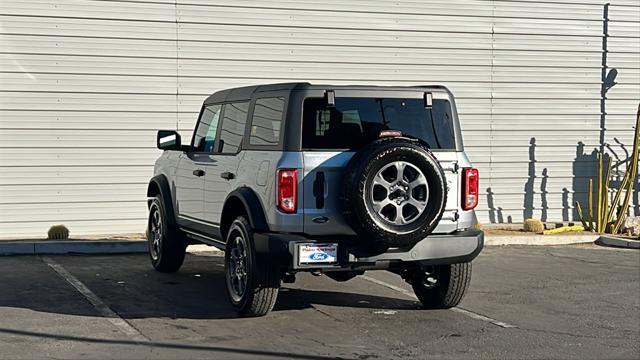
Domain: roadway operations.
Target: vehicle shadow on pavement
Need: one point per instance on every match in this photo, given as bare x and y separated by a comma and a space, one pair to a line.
297, 299
133, 290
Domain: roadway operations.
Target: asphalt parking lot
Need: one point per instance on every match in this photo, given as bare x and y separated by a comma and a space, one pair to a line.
524, 302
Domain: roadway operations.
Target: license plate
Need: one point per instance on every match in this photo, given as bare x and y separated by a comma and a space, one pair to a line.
317, 253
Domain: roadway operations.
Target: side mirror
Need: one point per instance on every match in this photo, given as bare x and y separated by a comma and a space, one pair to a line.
169, 140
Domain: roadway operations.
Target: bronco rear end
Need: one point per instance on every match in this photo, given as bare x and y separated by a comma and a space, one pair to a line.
380, 180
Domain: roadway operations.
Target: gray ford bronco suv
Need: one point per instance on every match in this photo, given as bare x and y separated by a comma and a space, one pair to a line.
333, 180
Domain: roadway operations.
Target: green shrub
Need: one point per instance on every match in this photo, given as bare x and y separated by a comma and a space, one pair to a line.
58, 232
533, 225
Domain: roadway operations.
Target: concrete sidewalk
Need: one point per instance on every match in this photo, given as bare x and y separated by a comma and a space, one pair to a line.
122, 246
39, 247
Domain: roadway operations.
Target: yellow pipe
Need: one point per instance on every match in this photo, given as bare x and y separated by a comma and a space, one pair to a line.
563, 229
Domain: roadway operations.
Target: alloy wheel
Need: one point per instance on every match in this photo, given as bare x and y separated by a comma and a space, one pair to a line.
398, 194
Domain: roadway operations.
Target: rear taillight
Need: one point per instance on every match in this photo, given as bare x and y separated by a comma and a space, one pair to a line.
470, 188
287, 190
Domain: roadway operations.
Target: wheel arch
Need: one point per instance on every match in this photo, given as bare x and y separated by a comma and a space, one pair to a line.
243, 201
159, 185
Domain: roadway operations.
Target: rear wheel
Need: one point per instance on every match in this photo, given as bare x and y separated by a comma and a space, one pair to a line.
442, 286
252, 281
167, 245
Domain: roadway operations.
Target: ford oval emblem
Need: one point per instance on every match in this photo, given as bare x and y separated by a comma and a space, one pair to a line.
318, 256
320, 219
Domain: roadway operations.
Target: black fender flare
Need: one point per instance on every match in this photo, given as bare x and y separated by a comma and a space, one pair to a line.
162, 184
252, 207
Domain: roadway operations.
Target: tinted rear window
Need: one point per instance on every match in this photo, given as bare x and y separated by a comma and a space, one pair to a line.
354, 122
267, 118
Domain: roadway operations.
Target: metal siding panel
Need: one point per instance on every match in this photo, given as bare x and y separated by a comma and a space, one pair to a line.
79, 101
61, 83
90, 46
557, 53
74, 175
78, 138
62, 26
31, 64
326, 55
349, 38
74, 193
63, 212
438, 7
106, 75
96, 226
111, 10
86, 120
332, 19
72, 157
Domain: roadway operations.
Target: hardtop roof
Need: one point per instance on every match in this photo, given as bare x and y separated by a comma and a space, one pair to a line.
245, 93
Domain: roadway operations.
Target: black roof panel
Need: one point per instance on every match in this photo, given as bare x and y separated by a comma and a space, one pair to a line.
245, 93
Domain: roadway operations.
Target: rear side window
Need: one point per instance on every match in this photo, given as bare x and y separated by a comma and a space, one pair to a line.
233, 123
266, 122
354, 122
204, 140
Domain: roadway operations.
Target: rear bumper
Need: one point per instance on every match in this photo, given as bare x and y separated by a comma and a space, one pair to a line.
457, 247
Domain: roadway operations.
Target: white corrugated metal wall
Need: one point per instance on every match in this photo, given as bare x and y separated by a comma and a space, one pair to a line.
84, 85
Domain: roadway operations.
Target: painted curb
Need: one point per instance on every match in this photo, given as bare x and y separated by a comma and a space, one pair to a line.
73, 247
17, 248
618, 242
22, 247
538, 239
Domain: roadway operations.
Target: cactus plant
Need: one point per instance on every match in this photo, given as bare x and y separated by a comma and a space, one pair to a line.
609, 217
58, 232
533, 225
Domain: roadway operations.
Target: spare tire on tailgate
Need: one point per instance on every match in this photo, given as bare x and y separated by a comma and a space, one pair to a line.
394, 193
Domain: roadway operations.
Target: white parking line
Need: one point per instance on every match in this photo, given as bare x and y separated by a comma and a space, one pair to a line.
477, 316
459, 310
392, 287
97, 303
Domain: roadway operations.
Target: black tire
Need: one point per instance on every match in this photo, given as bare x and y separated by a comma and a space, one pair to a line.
360, 174
451, 284
167, 244
261, 277
342, 276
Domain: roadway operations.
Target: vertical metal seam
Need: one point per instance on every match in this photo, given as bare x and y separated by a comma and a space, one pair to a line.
175, 9
492, 89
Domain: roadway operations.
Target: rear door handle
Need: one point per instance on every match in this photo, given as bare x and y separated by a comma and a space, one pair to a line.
227, 175
198, 172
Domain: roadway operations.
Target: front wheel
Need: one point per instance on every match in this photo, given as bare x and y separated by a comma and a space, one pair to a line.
167, 245
442, 286
252, 281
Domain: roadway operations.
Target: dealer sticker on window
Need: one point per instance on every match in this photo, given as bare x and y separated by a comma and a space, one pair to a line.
317, 253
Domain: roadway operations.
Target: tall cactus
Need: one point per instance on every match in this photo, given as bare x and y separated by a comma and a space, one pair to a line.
609, 217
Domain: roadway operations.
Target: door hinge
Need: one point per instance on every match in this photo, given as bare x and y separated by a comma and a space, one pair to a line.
452, 166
